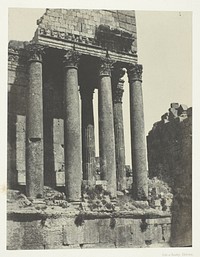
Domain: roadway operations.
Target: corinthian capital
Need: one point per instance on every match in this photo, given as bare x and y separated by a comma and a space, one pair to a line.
71, 59
118, 91
106, 65
135, 72
35, 52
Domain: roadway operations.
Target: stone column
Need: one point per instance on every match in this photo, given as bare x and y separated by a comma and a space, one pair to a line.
119, 128
139, 164
72, 130
34, 125
88, 139
106, 127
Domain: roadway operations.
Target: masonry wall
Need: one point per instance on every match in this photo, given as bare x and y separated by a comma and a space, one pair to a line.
169, 146
91, 27
61, 232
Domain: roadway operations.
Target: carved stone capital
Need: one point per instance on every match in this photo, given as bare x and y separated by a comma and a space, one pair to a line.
35, 52
105, 67
71, 59
135, 72
118, 91
117, 74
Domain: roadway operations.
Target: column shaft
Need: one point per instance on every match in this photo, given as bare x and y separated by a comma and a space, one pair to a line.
139, 164
88, 138
72, 134
34, 127
119, 135
106, 128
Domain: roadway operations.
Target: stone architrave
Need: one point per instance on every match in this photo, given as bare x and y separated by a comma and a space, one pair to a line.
106, 126
72, 128
139, 163
88, 138
117, 87
34, 124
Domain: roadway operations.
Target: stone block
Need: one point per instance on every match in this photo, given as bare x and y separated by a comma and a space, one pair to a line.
21, 177
20, 165
58, 153
58, 131
174, 105
106, 234
21, 123
20, 155
137, 234
15, 234
182, 109
90, 232
159, 221
166, 230
123, 236
173, 113
33, 234
73, 234
60, 178
153, 234
53, 238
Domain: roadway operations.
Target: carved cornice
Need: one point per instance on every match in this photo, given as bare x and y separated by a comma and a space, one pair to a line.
122, 41
35, 52
118, 91
105, 67
135, 72
71, 59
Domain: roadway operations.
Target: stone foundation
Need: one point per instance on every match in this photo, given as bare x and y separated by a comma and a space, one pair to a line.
59, 230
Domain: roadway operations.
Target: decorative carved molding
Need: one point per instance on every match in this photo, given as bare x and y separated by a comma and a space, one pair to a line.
16, 56
119, 40
35, 52
118, 91
105, 67
135, 72
72, 58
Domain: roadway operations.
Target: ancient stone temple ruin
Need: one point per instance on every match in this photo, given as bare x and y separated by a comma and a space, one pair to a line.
56, 199
75, 52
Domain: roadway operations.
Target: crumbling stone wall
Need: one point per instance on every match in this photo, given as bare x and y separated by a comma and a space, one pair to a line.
60, 231
169, 145
104, 28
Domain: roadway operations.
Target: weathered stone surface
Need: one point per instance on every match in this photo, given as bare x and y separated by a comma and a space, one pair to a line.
72, 131
170, 159
119, 132
72, 234
110, 29
88, 139
137, 235
139, 164
34, 130
106, 127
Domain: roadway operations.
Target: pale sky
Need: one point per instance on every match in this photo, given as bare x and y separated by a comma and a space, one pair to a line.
164, 49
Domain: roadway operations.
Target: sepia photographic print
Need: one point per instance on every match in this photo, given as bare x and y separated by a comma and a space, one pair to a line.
99, 129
